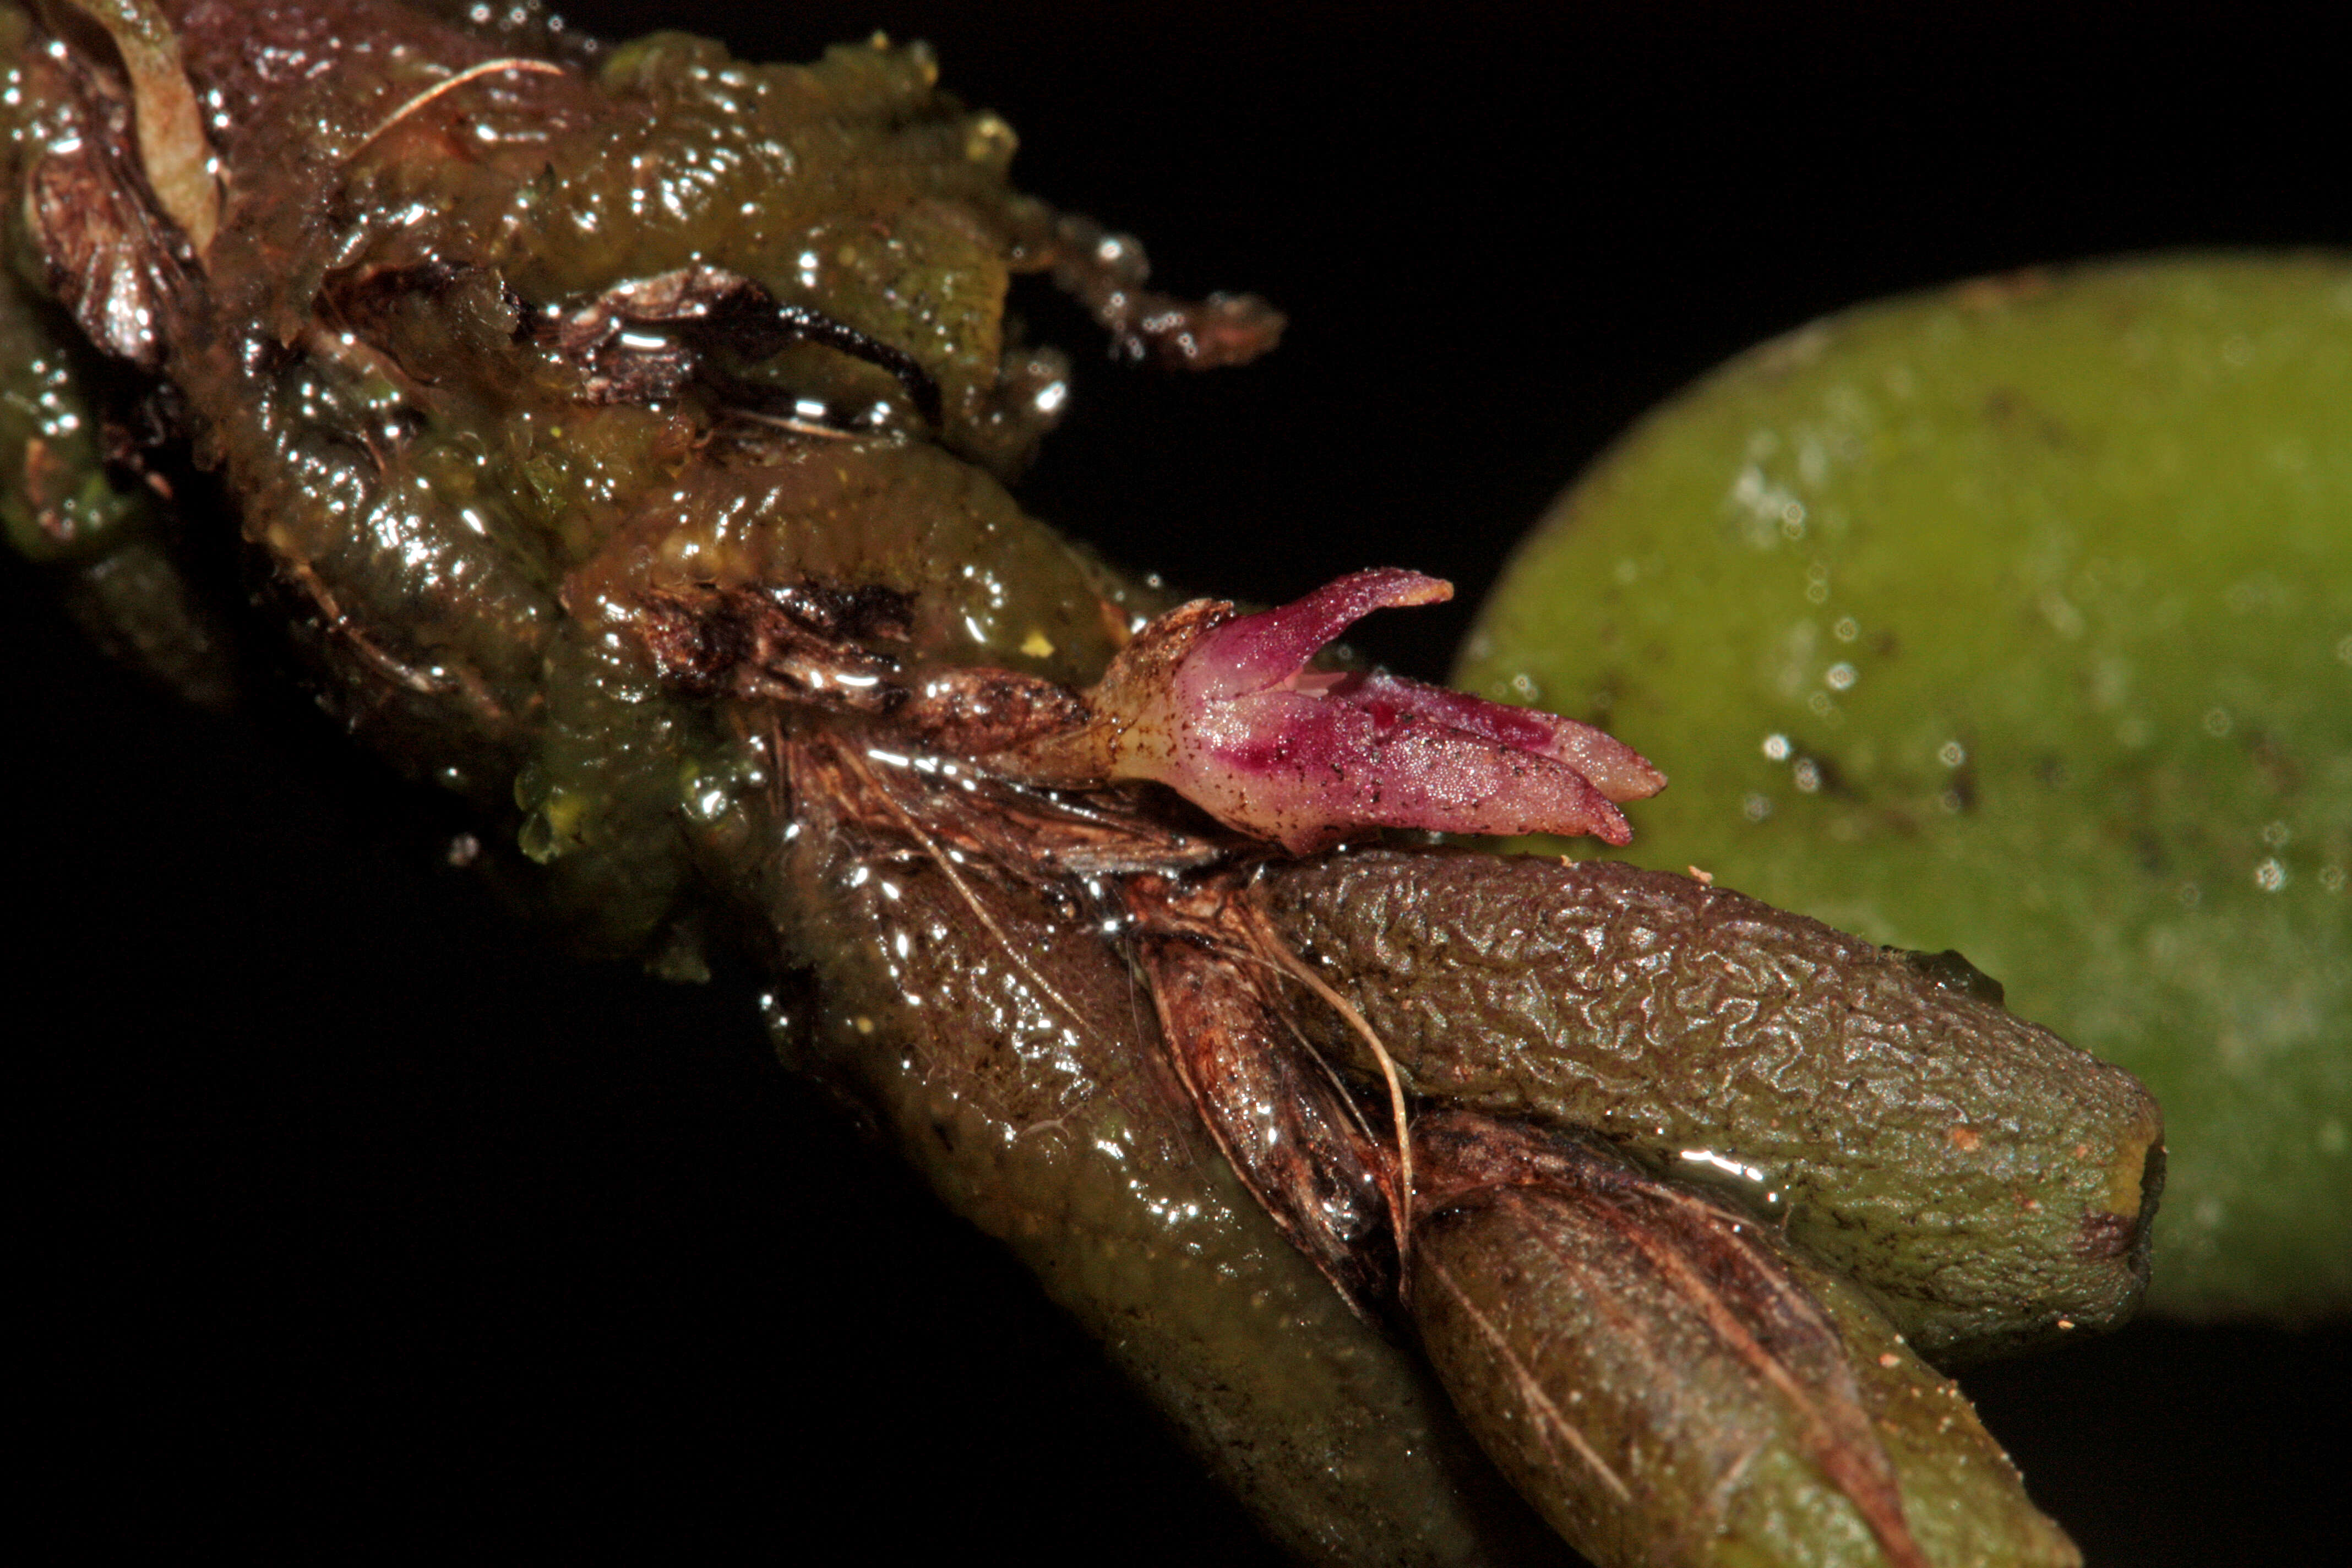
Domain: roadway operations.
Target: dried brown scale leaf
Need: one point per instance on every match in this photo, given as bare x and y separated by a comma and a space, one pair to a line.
974, 712
699, 315
1286, 1124
110, 261
1556, 1282
1984, 1178
173, 156
790, 643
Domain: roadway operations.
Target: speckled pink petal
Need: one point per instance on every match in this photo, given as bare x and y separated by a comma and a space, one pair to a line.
1225, 711
1618, 770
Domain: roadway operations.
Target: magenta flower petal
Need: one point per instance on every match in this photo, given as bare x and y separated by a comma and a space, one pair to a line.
1306, 771
1250, 653
1618, 770
1223, 709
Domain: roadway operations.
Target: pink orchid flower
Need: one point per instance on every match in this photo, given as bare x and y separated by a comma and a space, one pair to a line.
1223, 709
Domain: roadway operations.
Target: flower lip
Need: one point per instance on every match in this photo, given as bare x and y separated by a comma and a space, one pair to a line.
1252, 653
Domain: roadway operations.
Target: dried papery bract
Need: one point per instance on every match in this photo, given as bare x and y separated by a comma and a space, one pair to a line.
1290, 1127
1224, 709
173, 152
1552, 1280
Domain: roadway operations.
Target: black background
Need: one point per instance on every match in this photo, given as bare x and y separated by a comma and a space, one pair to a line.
356, 1219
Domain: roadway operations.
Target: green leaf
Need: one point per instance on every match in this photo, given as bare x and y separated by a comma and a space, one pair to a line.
2018, 619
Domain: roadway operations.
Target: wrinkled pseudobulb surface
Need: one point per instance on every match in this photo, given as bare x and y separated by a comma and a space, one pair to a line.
1992, 1184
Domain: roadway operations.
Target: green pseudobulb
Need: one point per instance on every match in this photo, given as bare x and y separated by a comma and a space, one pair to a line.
2018, 619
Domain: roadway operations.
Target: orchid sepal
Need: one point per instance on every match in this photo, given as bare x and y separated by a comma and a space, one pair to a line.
1223, 709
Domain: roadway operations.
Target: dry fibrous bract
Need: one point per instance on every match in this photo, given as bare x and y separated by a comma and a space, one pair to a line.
1551, 1276
621, 435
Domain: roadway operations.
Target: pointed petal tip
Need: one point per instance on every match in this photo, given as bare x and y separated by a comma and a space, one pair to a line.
1392, 588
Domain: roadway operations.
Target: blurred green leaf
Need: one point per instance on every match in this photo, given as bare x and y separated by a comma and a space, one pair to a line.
2018, 619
